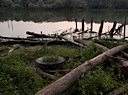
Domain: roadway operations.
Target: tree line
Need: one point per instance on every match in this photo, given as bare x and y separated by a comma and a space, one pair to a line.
65, 4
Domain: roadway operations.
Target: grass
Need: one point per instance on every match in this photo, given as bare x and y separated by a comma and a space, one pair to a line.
51, 59
18, 75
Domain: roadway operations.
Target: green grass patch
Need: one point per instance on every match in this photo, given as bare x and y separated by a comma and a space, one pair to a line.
18, 75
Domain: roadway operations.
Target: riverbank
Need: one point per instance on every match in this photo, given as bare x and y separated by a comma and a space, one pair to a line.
19, 76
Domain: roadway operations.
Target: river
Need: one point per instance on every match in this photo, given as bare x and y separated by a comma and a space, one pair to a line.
15, 23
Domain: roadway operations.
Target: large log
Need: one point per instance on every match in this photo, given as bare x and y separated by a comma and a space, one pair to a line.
84, 42
43, 42
70, 78
120, 60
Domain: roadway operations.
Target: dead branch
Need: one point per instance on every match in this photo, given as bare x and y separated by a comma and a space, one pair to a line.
14, 47
75, 43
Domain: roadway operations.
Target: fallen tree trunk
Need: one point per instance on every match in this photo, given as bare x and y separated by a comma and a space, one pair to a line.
70, 78
39, 35
120, 60
43, 42
84, 42
23, 42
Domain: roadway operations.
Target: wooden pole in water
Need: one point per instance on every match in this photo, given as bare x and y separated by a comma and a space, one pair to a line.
82, 28
91, 24
112, 29
82, 24
76, 23
101, 28
76, 30
124, 27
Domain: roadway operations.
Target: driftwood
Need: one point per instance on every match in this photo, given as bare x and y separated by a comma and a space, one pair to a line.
75, 43
43, 42
23, 42
120, 90
70, 78
83, 32
14, 47
39, 35
118, 30
14, 38
84, 42
95, 36
60, 42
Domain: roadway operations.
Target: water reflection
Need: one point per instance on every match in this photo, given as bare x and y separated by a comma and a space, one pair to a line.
16, 22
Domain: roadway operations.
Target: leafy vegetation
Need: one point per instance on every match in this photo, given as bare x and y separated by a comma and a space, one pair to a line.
62, 4
18, 74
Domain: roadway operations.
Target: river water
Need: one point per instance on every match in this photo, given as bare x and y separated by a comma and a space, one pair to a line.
15, 23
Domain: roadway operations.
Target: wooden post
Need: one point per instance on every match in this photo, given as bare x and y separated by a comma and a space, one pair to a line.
101, 28
124, 28
112, 29
76, 23
91, 24
82, 35
82, 24
76, 30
